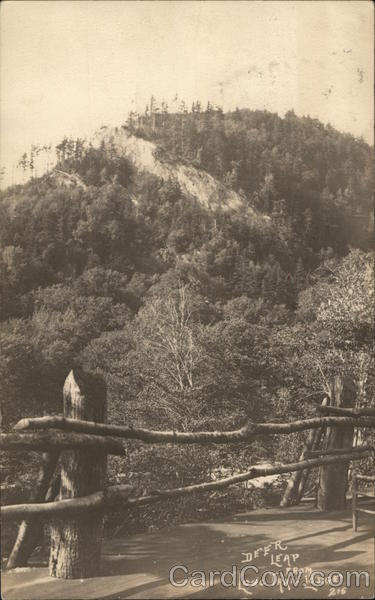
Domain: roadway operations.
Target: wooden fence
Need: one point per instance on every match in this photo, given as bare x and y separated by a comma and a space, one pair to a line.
357, 494
74, 466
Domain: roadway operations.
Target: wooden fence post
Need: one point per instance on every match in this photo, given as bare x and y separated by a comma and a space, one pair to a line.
289, 496
333, 478
76, 542
296, 484
354, 501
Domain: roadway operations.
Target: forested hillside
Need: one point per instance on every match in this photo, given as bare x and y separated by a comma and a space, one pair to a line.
198, 314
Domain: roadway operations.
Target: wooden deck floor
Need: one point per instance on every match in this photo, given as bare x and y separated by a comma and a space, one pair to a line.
138, 567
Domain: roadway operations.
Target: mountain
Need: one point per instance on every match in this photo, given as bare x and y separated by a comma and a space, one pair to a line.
253, 201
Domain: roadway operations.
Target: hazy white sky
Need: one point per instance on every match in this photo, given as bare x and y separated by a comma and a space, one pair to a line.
68, 67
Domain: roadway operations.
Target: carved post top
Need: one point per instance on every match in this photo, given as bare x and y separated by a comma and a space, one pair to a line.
344, 391
85, 396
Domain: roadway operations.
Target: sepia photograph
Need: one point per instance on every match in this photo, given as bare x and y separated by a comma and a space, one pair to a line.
187, 381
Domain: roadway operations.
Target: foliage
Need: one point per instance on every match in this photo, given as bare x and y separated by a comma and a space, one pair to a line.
196, 319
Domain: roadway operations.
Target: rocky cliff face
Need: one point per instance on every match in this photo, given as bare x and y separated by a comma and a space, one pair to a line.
193, 182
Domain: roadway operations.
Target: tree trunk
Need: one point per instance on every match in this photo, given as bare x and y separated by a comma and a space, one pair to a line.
333, 478
76, 542
30, 531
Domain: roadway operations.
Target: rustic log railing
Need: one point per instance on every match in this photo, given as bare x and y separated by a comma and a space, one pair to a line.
83, 440
357, 494
121, 494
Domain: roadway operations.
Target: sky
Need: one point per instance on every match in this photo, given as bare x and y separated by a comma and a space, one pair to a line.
69, 67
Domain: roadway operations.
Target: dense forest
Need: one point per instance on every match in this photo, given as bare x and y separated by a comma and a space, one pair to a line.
196, 318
